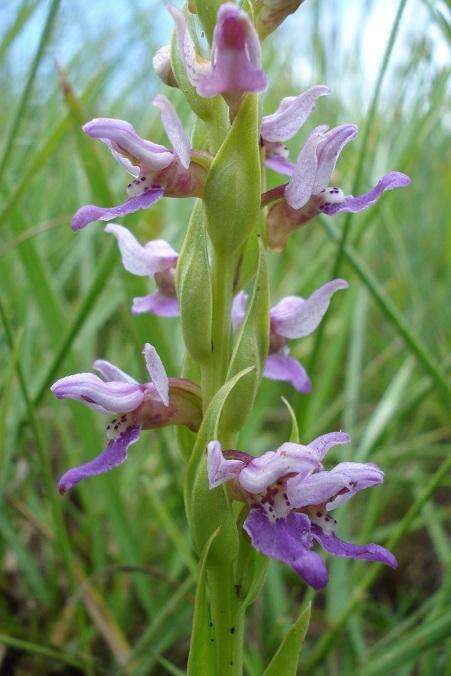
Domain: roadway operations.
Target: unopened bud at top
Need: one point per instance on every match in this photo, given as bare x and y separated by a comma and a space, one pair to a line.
271, 13
162, 66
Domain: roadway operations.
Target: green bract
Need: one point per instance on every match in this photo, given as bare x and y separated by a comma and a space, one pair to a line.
194, 289
251, 349
232, 191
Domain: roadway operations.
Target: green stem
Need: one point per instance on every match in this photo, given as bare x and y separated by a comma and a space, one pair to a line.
228, 622
223, 270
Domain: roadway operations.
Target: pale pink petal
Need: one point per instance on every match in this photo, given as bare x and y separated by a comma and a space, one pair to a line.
156, 304
239, 309
220, 470
296, 317
124, 138
157, 372
392, 180
302, 182
111, 372
328, 151
156, 256
105, 397
280, 366
291, 114
268, 468
174, 130
322, 444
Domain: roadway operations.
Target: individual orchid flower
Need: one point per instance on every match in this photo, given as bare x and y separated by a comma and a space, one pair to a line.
290, 496
292, 317
284, 123
156, 170
308, 193
158, 259
235, 67
162, 401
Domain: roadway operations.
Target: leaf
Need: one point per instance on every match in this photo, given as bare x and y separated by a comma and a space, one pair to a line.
232, 190
194, 288
286, 658
201, 653
294, 434
251, 349
200, 500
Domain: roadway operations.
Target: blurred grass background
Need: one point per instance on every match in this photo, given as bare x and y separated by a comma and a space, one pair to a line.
102, 581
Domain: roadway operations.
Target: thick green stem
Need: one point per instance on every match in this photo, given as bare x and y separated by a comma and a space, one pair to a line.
228, 622
223, 270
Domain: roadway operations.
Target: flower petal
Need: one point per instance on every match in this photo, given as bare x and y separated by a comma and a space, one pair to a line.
111, 372
156, 256
125, 140
296, 317
321, 445
219, 469
392, 180
370, 552
239, 309
195, 68
280, 164
90, 212
105, 397
268, 468
174, 129
156, 304
291, 114
157, 372
328, 152
113, 456
280, 366
302, 182
334, 487
287, 540
236, 56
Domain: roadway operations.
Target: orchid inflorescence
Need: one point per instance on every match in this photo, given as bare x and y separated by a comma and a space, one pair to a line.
232, 336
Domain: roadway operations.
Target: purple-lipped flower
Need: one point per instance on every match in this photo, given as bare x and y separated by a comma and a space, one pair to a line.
308, 192
162, 401
156, 258
291, 497
293, 317
235, 66
155, 170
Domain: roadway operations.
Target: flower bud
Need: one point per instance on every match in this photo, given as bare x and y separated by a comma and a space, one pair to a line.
162, 66
271, 13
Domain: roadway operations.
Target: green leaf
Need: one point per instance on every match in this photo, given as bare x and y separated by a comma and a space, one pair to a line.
201, 652
251, 349
286, 658
200, 500
232, 190
294, 434
194, 288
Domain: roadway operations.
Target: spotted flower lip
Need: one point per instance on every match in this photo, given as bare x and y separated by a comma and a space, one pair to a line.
307, 193
290, 496
235, 66
293, 317
156, 258
156, 171
160, 402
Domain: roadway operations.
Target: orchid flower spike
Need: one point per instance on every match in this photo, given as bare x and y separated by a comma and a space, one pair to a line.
156, 171
291, 496
308, 193
235, 67
293, 317
158, 259
284, 123
162, 401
